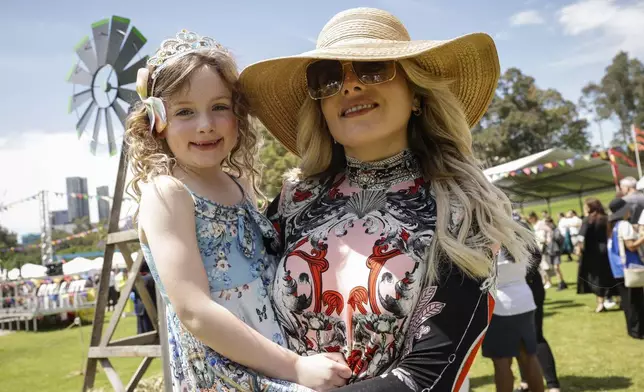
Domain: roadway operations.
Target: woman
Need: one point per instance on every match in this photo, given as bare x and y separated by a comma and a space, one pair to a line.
594, 274
622, 252
390, 235
542, 232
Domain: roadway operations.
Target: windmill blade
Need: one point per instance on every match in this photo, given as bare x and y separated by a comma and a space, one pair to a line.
85, 52
129, 75
101, 32
117, 35
78, 75
110, 133
77, 100
97, 129
129, 96
120, 112
133, 43
82, 123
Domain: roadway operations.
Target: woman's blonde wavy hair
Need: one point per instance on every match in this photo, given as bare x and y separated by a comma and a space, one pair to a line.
440, 137
150, 156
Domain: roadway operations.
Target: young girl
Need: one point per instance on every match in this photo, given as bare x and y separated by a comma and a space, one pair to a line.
192, 152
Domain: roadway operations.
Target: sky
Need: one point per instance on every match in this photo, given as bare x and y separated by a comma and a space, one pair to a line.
562, 44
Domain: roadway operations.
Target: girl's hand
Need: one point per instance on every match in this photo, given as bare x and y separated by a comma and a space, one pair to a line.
322, 372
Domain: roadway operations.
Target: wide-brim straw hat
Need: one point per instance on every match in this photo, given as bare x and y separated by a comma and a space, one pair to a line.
276, 88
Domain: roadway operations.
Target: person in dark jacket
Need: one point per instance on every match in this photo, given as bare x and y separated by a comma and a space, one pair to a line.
544, 353
143, 322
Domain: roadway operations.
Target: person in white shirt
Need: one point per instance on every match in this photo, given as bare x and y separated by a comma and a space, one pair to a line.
542, 231
628, 186
512, 332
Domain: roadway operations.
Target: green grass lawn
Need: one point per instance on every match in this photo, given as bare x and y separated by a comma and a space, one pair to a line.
592, 351
568, 204
53, 360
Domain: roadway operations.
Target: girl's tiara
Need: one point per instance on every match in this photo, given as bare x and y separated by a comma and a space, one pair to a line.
184, 43
171, 49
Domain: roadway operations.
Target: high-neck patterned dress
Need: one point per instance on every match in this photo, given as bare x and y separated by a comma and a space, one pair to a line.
352, 279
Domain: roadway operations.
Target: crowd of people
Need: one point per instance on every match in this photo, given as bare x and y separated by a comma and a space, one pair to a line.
610, 250
609, 245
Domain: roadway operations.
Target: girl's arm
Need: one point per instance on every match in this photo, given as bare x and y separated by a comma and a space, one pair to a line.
167, 219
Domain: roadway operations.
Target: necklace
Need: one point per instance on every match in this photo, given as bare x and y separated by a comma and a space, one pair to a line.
384, 173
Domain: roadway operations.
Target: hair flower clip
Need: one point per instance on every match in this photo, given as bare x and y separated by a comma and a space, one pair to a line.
153, 105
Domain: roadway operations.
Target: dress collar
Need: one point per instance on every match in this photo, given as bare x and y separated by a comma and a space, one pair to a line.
382, 174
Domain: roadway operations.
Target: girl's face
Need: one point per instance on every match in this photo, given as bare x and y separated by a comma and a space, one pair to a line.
202, 128
380, 124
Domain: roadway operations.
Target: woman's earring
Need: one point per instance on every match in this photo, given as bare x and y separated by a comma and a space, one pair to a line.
417, 111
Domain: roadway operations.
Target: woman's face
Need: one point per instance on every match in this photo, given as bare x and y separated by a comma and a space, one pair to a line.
202, 128
378, 128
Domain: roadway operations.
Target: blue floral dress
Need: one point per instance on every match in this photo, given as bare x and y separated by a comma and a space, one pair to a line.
231, 242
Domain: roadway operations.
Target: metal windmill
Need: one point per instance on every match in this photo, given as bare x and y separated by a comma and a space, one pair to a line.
100, 75
99, 79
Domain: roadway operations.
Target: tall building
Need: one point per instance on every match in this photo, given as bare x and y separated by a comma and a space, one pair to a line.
77, 207
58, 218
103, 205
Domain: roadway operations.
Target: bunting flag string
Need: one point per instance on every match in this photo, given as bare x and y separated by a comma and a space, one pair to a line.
4, 207
87, 197
619, 152
59, 241
54, 242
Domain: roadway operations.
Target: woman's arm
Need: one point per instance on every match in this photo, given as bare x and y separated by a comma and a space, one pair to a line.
445, 334
634, 245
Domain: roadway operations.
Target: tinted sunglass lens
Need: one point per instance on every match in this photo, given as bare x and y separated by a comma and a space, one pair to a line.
324, 78
373, 72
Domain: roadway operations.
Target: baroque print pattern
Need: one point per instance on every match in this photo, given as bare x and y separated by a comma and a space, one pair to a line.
367, 321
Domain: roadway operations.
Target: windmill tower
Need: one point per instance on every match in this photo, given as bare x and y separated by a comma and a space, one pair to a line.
100, 96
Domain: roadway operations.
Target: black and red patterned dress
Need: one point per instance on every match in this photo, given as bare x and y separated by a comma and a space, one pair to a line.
352, 279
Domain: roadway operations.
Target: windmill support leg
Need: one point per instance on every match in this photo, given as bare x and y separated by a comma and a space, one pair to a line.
101, 298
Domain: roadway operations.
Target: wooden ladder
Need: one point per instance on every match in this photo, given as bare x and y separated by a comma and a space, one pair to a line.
148, 345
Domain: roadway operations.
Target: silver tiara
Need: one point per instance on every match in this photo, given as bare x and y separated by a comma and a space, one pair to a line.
184, 43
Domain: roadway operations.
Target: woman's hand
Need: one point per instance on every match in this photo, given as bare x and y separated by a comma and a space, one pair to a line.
322, 372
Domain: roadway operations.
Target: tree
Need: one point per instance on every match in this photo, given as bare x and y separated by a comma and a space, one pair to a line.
619, 95
277, 160
7, 240
594, 104
524, 119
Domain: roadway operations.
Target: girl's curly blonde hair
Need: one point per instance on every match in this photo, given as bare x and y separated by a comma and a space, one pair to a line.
149, 156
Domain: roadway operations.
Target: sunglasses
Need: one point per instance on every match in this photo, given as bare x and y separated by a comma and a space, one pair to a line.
324, 78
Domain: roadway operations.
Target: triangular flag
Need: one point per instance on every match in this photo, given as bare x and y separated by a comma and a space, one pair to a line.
587, 157
548, 165
526, 171
562, 163
534, 170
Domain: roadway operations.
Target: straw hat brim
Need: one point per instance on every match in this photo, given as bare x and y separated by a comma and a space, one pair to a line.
276, 88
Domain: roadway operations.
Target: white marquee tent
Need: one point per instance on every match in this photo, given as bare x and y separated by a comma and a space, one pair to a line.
28, 271
578, 176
